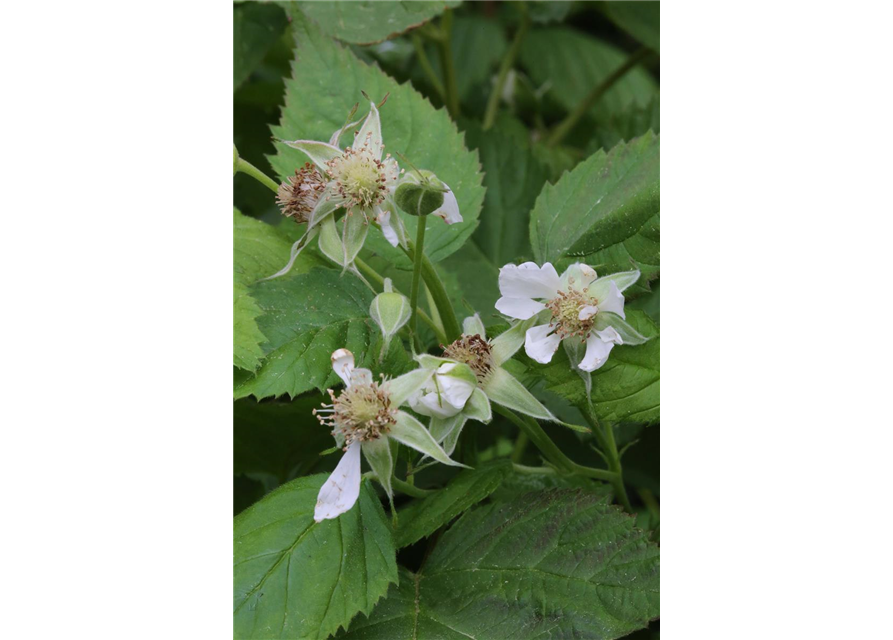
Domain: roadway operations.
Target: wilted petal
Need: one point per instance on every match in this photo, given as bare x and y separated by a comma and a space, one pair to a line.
541, 344
520, 308
341, 490
343, 364
528, 281
449, 211
387, 228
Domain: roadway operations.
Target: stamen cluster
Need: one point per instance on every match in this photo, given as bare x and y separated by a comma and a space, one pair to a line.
565, 308
361, 412
298, 197
474, 351
360, 177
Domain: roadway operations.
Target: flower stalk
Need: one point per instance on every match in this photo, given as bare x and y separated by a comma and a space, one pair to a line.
609, 448
416, 278
244, 166
504, 68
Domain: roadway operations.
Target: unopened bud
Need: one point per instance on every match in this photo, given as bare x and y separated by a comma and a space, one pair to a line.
420, 193
390, 311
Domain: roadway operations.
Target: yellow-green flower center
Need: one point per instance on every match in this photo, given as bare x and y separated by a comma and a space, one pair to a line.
565, 308
361, 412
359, 178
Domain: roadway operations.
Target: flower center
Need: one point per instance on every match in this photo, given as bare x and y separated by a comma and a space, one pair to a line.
474, 351
361, 412
359, 177
298, 196
565, 308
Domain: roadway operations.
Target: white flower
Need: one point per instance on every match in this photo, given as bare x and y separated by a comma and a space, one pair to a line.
578, 307
446, 392
363, 417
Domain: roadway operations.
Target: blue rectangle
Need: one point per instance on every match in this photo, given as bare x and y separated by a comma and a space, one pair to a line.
776, 501
790, 278
776, 453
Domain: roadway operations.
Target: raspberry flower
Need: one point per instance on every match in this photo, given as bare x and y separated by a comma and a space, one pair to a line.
493, 383
579, 308
363, 417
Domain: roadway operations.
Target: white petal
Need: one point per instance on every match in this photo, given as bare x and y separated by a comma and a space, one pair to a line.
587, 312
541, 344
341, 490
369, 134
608, 296
433, 404
520, 308
609, 334
449, 211
343, 364
597, 351
384, 221
582, 275
528, 281
443, 395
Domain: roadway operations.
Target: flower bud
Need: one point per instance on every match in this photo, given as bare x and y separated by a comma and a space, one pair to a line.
420, 196
390, 311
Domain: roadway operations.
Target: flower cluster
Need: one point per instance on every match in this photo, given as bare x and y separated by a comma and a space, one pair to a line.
360, 181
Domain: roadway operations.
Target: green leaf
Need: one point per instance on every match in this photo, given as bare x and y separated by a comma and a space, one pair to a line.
641, 20
275, 441
471, 280
294, 578
369, 22
316, 105
560, 564
246, 336
423, 517
606, 212
260, 250
519, 484
513, 178
256, 27
574, 63
305, 318
626, 388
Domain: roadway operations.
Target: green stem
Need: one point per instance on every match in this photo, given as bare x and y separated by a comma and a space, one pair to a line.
416, 278
438, 293
379, 279
520, 445
257, 174
609, 447
446, 60
410, 489
535, 471
504, 68
549, 449
564, 127
426, 65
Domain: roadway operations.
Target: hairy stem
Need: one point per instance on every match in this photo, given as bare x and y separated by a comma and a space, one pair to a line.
257, 174
504, 68
609, 447
438, 292
410, 489
564, 127
416, 278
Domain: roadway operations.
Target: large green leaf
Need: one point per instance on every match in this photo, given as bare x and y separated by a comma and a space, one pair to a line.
294, 578
554, 564
256, 27
425, 516
574, 63
639, 19
471, 279
369, 22
316, 105
626, 388
305, 318
276, 441
247, 338
606, 212
513, 178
